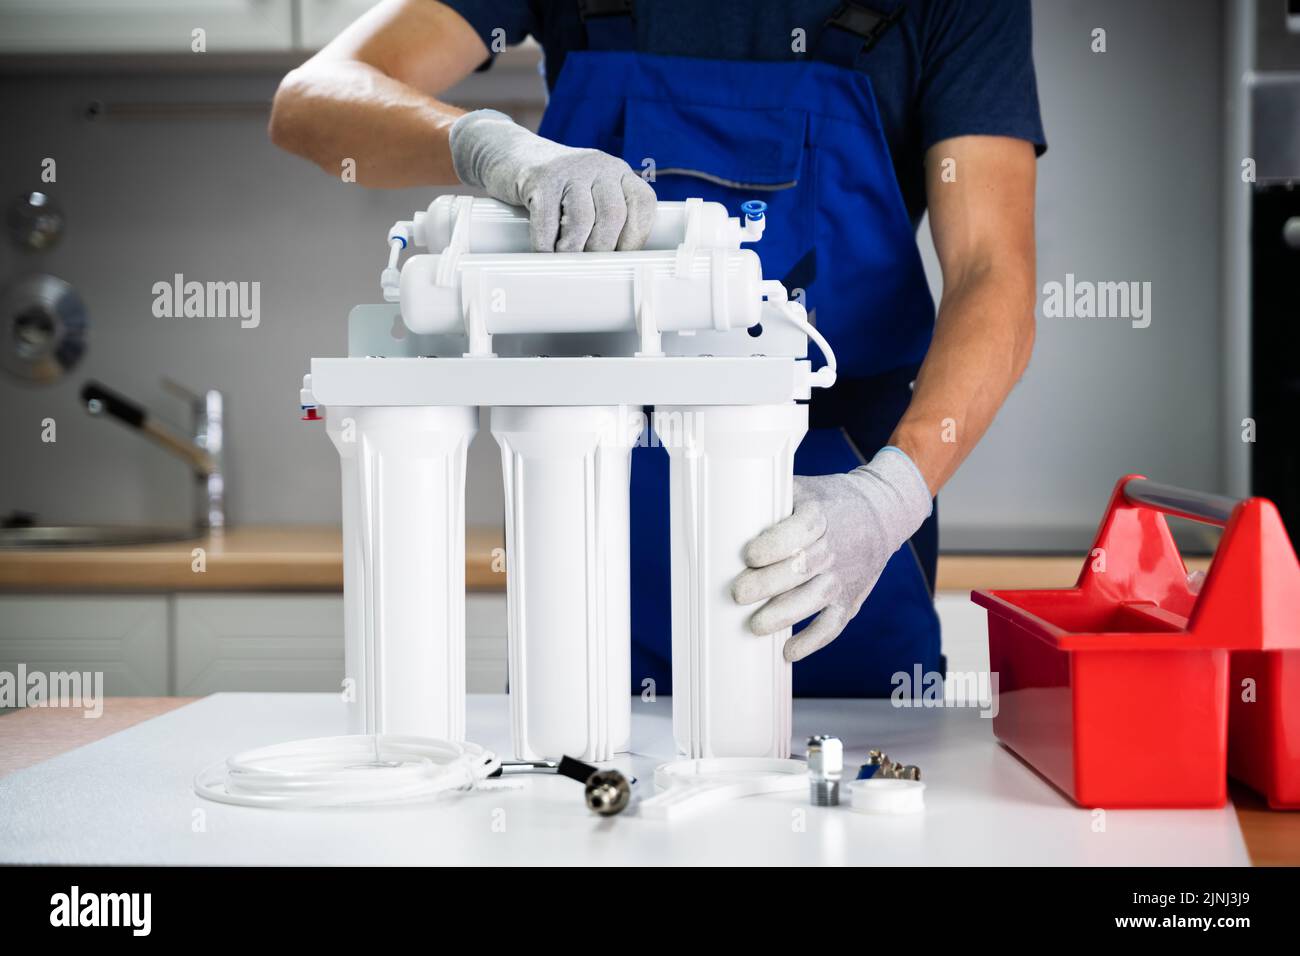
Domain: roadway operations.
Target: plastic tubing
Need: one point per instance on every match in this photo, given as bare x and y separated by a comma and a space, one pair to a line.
399, 238
775, 293
345, 771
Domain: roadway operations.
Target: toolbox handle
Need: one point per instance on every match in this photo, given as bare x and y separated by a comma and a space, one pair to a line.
1249, 601
1181, 502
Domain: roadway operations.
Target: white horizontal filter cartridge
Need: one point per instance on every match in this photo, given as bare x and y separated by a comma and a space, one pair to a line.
494, 226
731, 476
404, 566
581, 291
566, 473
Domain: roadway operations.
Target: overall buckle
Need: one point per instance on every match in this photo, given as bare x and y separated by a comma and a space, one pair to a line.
595, 9
864, 22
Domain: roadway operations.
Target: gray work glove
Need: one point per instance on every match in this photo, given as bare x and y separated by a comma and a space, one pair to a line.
577, 199
829, 554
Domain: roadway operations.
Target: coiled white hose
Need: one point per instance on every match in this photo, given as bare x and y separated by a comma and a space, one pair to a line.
345, 771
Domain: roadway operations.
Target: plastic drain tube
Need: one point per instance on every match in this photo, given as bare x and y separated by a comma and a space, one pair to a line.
345, 771
775, 294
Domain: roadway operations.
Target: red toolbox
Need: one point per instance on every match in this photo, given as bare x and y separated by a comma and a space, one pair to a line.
1144, 687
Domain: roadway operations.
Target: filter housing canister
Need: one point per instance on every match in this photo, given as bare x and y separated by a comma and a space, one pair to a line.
731, 475
568, 588
404, 566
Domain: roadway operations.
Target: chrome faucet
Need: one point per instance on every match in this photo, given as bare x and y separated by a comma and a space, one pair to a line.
202, 452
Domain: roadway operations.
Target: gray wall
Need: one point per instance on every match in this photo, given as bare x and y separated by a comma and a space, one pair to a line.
1129, 190
213, 200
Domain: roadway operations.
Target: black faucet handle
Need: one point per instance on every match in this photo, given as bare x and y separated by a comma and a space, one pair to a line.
101, 400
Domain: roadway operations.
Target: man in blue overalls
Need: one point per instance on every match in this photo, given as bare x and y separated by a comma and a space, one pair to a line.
850, 120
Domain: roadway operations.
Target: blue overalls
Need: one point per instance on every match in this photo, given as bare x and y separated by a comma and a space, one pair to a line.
806, 137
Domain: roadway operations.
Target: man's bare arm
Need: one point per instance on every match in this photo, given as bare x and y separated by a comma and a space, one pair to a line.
370, 95
983, 227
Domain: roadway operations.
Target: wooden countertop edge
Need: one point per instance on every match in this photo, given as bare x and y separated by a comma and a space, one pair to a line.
969, 572
265, 558
306, 570
1272, 837
33, 735
290, 574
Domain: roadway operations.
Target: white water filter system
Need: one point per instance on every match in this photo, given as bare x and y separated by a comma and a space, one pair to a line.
687, 325
404, 566
730, 476
566, 473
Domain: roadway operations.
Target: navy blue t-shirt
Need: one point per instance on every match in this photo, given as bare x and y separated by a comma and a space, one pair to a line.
947, 68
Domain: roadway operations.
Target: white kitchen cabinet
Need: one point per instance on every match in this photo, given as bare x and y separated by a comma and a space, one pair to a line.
144, 26
196, 644
485, 643
965, 632
228, 642
323, 20
122, 636
251, 642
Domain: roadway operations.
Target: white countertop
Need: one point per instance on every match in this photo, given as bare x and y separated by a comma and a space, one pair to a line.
127, 799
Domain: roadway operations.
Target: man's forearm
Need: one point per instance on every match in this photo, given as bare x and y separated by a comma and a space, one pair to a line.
337, 111
982, 341
370, 96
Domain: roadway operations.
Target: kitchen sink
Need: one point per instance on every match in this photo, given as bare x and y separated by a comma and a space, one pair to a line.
89, 536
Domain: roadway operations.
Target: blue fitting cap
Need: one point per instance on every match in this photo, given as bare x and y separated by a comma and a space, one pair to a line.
753, 209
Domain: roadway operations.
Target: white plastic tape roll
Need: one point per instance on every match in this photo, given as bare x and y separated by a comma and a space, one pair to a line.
887, 795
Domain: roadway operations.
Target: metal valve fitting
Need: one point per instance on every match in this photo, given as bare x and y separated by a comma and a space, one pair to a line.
825, 766
607, 792
879, 765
